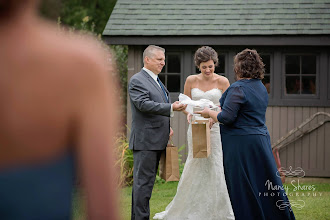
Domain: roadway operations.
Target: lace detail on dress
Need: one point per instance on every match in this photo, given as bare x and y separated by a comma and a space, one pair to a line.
202, 190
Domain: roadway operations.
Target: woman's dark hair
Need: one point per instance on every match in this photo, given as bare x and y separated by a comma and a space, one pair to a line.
9, 7
204, 54
248, 64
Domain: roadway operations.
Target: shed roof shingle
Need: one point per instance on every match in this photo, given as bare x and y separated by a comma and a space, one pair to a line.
219, 17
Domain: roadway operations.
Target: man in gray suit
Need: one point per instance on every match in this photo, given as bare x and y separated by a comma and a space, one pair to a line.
151, 111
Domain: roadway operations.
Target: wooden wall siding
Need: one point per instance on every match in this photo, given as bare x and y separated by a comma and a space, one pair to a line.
134, 64
180, 126
311, 152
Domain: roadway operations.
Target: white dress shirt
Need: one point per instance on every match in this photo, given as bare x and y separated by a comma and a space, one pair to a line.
155, 76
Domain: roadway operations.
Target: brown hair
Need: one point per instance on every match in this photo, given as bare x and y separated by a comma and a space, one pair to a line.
248, 64
10, 7
204, 54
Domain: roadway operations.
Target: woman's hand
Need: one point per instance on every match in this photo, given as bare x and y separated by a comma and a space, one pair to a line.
205, 113
189, 116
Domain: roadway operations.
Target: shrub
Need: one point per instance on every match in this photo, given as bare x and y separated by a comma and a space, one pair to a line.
124, 161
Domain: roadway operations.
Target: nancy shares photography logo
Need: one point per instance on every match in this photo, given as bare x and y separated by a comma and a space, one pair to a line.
294, 189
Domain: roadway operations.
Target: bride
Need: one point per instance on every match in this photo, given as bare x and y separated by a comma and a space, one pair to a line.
202, 190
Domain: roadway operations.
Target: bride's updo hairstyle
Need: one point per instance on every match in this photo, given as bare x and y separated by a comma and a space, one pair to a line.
248, 64
204, 54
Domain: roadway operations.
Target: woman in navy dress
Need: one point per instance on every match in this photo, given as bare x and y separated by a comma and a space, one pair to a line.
56, 118
255, 190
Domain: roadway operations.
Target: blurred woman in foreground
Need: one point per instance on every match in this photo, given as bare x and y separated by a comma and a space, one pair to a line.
57, 117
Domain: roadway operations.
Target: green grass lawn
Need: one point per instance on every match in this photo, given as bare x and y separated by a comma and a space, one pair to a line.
315, 197
316, 206
162, 194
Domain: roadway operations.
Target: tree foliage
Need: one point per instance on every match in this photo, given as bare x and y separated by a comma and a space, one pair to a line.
72, 12
98, 11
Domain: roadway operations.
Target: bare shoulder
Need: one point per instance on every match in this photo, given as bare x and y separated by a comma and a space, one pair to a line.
78, 64
191, 79
221, 79
223, 82
81, 56
85, 49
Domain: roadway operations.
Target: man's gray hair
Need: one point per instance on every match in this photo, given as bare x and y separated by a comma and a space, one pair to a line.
150, 51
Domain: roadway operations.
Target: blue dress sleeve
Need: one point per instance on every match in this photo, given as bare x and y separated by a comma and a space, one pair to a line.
231, 105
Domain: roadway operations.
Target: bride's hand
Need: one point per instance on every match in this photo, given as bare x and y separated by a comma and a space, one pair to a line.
189, 116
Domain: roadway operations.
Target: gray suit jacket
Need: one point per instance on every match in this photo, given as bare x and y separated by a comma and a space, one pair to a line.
150, 113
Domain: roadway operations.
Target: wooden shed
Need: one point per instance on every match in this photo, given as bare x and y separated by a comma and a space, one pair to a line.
293, 37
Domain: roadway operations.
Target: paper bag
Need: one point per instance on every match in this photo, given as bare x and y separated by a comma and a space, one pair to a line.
169, 164
201, 138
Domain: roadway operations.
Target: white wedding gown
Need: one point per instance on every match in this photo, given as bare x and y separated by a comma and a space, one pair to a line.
202, 191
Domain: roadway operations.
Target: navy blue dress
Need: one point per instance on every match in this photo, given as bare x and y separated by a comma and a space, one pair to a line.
255, 191
37, 192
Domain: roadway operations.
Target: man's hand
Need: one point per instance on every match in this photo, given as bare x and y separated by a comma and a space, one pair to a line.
177, 106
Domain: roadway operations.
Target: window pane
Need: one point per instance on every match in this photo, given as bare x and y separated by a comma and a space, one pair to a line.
266, 61
162, 78
266, 82
173, 83
308, 85
292, 85
221, 65
308, 64
173, 64
292, 65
